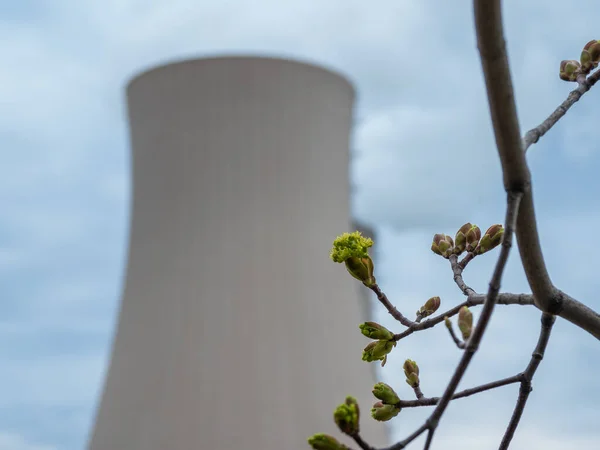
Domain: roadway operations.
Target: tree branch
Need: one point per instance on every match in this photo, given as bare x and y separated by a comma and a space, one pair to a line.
525, 389
534, 135
391, 308
473, 300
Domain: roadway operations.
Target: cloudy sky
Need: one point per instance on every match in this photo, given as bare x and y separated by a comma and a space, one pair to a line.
424, 162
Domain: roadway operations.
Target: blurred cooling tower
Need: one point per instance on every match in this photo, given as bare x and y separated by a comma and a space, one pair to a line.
236, 331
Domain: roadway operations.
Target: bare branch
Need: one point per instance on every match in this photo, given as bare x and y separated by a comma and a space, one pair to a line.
457, 270
536, 357
391, 308
534, 135
432, 401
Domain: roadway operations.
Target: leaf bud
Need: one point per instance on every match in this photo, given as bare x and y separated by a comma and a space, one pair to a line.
460, 240
375, 331
429, 307
383, 412
443, 245
569, 70
378, 351
325, 442
491, 239
590, 56
472, 238
465, 322
386, 394
411, 371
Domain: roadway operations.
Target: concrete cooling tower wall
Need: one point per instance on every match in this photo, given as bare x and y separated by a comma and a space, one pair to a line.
236, 331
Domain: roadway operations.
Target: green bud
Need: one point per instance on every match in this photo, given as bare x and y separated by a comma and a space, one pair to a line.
447, 322
378, 351
443, 245
375, 331
460, 240
386, 394
346, 416
590, 56
325, 442
429, 307
465, 322
361, 269
472, 238
411, 371
491, 239
569, 70
383, 412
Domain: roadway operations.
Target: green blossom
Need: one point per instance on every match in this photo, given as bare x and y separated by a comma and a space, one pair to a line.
350, 245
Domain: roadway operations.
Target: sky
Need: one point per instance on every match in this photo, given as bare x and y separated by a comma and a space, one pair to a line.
424, 162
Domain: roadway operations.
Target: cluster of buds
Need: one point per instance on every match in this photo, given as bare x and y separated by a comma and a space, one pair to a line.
346, 416
379, 349
411, 371
387, 408
325, 442
352, 249
570, 70
429, 307
468, 237
465, 322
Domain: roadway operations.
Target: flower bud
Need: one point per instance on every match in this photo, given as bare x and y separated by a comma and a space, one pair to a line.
460, 240
472, 238
569, 70
491, 239
411, 371
375, 331
378, 351
442, 245
325, 442
429, 307
383, 412
346, 416
386, 394
465, 322
590, 56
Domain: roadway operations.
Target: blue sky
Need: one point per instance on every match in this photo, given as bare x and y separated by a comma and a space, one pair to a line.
424, 162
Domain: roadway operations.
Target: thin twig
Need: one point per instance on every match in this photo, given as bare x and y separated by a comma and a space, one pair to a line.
457, 270
391, 308
536, 358
360, 442
418, 392
460, 344
432, 401
534, 135
473, 300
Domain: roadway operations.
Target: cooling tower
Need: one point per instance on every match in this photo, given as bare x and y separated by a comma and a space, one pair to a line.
236, 330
